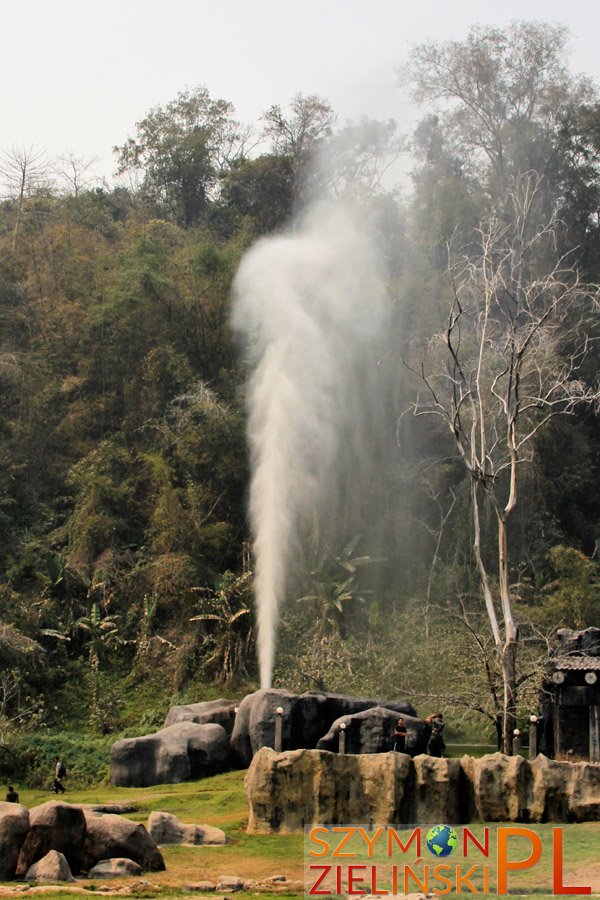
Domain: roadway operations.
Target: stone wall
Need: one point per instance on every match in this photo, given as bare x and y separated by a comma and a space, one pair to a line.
301, 787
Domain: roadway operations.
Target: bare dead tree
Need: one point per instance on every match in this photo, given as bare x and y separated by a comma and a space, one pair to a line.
507, 362
21, 170
76, 172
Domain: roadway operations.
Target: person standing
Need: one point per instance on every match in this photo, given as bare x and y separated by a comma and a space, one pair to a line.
12, 796
437, 745
60, 770
400, 737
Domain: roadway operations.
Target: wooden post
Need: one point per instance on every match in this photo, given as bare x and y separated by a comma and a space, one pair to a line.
533, 737
342, 738
557, 728
594, 733
279, 729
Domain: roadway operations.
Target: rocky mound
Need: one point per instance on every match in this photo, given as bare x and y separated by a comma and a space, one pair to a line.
306, 719
288, 790
206, 738
372, 731
57, 839
181, 752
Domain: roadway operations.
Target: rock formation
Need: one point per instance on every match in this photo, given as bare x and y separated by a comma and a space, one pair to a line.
115, 868
206, 738
217, 712
54, 826
372, 730
52, 867
306, 719
109, 836
181, 752
165, 828
57, 830
288, 790
14, 825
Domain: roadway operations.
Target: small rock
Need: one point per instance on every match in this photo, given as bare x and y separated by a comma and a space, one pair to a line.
165, 828
275, 878
117, 867
230, 883
53, 867
205, 887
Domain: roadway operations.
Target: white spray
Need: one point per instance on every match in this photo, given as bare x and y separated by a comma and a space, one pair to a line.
312, 306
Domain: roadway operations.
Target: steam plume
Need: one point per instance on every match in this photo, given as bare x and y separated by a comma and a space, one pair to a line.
312, 305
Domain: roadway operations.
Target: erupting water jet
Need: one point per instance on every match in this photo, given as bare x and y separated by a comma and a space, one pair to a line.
312, 305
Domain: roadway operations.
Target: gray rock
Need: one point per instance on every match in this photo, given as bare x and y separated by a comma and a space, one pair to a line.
181, 752
53, 826
230, 883
200, 887
217, 712
109, 836
165, 828
372, 730
14, 825
118, 867
51, 868
306, 718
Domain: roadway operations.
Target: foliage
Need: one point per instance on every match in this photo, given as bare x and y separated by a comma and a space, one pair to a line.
123, 464
574, 597
226, 615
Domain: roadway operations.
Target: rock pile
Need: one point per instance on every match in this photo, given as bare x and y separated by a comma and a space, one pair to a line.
68, 840
288, 790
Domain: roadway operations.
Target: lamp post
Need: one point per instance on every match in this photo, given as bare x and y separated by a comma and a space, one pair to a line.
342, 738
533, 737
516, 742
278, 729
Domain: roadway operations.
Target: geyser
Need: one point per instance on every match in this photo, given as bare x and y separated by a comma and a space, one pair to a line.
312, 306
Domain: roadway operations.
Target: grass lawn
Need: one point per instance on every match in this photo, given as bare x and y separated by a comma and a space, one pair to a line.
221, 801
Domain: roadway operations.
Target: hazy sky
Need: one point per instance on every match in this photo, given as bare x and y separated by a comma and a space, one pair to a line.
77, 75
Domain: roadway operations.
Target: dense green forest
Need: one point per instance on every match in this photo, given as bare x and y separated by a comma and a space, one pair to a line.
125, 569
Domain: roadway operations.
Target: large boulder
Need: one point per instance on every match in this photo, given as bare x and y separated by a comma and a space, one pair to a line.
165, 828
372, 731
306, 718
53, 826
14, 825
181, 752
502, 787
437, 786
109, 836
51, 868
209, 712
115, 868
301, 787
564, 792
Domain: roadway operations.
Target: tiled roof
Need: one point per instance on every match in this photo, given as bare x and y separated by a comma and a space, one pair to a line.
580, 663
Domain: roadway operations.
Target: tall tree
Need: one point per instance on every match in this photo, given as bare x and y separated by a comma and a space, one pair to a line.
499, 94
510, 358
180, 148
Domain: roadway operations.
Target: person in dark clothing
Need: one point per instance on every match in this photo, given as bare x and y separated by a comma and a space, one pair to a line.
436, 745
400, 737
59, 773
12, 796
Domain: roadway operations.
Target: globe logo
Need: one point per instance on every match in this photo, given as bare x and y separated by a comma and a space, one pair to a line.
441, 840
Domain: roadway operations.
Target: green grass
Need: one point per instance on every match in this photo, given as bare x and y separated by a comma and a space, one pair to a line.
221, 801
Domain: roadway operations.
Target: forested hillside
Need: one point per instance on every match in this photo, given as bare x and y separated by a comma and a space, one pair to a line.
125, 568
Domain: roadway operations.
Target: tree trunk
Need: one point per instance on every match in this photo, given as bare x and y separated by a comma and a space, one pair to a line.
509, 677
